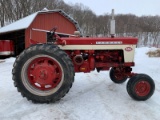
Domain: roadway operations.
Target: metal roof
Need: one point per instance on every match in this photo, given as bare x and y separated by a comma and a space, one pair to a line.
26, 21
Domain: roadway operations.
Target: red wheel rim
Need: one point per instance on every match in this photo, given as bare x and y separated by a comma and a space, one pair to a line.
142, 88
44, 73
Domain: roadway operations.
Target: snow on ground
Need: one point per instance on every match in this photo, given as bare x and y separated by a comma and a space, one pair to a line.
93, 97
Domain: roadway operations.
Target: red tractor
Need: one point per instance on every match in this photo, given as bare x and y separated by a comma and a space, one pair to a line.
44, 73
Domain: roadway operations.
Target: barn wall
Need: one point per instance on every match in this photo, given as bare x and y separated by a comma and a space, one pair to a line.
47, 21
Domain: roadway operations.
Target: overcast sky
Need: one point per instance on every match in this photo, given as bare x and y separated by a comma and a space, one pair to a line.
137, 7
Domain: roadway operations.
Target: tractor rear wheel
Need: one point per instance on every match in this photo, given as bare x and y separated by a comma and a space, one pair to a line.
43, 73
140, 87
117, 76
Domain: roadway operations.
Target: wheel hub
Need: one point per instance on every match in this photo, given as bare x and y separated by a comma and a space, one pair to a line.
142, 88
44, 73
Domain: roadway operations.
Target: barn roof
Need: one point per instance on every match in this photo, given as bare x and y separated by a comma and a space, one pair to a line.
26, 21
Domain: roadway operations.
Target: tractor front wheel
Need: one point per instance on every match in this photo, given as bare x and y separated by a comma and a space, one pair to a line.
140, 87
117, 75
43, 73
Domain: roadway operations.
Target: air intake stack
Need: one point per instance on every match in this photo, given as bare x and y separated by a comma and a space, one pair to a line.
112, 24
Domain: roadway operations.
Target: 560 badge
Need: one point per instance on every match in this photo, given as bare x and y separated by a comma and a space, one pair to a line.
128, 49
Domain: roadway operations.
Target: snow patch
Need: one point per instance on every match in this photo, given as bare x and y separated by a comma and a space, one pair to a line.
93, 97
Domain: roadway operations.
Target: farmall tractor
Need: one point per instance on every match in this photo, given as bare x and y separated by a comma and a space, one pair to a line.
44, 73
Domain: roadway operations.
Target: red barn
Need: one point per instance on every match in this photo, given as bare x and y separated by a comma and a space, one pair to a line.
18, 34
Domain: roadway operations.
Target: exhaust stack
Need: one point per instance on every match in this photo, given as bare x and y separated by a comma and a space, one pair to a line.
112, 24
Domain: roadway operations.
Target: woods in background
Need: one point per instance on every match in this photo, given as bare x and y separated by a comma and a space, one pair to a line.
146, 28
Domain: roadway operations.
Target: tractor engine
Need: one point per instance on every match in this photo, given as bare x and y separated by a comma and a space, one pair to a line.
88, 60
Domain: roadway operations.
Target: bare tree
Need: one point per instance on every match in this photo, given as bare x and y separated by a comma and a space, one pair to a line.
147, 28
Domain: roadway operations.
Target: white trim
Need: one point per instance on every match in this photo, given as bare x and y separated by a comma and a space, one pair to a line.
41, 30
7, 53
5, 40
128, 55
93, 47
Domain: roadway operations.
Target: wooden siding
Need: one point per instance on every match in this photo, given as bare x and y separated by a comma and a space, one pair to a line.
47, 21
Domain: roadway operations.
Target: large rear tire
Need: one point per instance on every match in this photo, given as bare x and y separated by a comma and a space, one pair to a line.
140, 87
43, 73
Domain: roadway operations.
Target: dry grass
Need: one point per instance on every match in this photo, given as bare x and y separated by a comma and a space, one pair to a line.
155, 53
